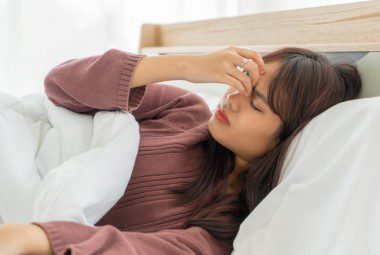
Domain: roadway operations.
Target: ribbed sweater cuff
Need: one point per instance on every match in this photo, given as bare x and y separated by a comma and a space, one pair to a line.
129, 99
54, 236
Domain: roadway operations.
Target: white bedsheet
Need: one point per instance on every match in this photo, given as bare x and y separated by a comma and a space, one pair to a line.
328, 201
56, 164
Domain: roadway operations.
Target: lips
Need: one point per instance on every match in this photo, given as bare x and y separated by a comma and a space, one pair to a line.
222, 115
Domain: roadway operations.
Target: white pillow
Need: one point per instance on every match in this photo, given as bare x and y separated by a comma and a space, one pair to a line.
328, 201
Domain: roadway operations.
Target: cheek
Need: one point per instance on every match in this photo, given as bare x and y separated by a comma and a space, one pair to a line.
249, 129
257, 130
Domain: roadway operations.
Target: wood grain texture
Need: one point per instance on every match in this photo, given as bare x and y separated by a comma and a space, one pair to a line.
334, 28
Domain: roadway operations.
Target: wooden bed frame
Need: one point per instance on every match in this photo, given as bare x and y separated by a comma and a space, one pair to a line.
335, 29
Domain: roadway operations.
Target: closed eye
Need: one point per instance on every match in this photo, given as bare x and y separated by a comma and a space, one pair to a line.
253, 105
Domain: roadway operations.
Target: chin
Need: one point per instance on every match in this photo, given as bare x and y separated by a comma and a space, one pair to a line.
210, 125
216, 132
213, 128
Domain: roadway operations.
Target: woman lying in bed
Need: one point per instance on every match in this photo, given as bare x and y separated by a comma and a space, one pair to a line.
197, 175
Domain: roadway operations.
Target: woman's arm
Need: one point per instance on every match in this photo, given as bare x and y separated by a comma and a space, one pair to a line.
60, 237
100, 82
118, 79
104, 83
111, 81
159, 68
115, 81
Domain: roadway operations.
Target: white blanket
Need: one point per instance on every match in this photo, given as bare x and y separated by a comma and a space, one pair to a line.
56, 164
328, 201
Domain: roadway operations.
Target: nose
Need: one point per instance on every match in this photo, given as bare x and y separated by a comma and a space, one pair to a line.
234, 100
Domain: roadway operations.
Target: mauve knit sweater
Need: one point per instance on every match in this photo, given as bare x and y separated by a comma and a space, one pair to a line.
173, 123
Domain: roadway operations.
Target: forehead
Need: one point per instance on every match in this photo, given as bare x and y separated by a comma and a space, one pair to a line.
262, 85
270, 70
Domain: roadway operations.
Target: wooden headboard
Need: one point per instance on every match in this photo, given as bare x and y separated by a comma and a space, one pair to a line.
345, 28
334, 28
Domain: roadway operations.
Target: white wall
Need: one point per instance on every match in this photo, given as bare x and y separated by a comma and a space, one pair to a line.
37, 35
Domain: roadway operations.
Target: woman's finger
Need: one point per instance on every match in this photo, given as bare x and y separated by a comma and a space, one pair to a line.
251, 54
233, 82
243, 78
251, 67
254, 72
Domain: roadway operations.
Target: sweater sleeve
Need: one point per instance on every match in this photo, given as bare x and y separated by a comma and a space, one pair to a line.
74, 238
102, 82
98, 82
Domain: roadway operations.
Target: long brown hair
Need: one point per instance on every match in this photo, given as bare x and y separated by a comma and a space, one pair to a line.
305, 85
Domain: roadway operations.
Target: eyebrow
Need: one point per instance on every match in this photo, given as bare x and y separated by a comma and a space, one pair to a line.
259, 95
